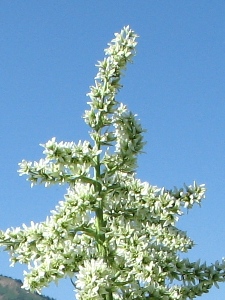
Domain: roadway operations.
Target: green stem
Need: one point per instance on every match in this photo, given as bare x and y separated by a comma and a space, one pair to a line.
99, 211
109, 296
100, 221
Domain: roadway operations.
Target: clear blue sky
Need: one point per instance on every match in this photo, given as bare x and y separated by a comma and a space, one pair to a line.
48, 50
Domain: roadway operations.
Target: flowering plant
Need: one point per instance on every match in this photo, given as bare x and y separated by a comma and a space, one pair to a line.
115, 234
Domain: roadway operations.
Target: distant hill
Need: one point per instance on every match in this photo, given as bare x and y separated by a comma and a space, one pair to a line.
10, 289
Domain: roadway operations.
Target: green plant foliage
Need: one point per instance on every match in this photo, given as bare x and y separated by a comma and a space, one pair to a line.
114, 234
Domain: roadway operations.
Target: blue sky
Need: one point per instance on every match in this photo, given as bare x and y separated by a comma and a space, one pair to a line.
48, 50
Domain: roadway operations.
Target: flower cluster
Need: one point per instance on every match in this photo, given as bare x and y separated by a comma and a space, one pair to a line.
115, 234
110, 121
64, 162
94, 280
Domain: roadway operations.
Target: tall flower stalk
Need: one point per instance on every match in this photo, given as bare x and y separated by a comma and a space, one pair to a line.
113, 233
